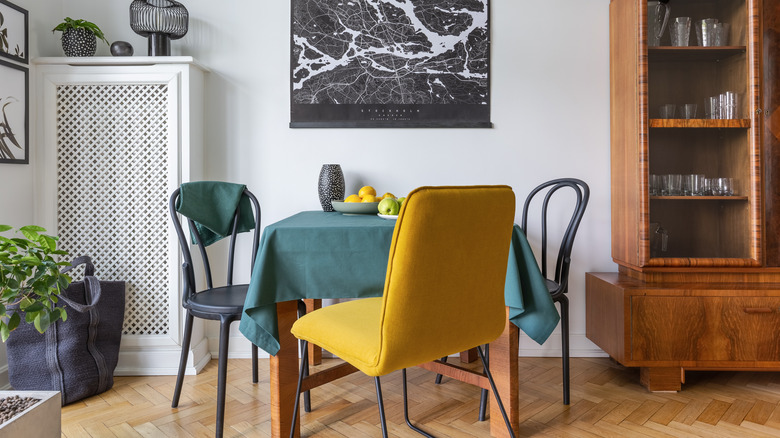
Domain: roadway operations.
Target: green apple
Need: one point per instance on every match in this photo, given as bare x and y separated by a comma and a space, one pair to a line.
389, 206
401, 200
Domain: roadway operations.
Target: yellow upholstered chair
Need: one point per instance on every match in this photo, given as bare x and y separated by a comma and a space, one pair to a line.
443, 293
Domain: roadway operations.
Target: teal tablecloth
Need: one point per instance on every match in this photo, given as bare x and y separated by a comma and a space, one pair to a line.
315, 254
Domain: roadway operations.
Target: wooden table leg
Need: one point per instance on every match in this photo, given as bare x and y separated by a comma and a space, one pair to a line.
284, 373
503, 366
469, 356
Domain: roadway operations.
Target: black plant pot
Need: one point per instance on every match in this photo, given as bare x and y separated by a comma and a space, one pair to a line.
79, 42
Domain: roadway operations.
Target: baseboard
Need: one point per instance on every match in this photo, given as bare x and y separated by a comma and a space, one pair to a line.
161, 359
579, 346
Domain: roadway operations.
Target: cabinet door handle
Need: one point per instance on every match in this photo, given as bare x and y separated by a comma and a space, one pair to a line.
758, 310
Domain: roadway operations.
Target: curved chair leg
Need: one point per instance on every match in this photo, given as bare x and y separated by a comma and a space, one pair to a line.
224, 338
381, 404
495, 392
406, 409
304, 365
564, 300
185, 350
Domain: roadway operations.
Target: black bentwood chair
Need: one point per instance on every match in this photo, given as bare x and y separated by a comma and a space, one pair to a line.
559, 284
225, 303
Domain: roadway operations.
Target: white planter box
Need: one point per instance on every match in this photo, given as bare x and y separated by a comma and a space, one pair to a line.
41, 420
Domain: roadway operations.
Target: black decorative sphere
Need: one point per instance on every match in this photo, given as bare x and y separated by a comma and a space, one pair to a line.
121, 48
79, 42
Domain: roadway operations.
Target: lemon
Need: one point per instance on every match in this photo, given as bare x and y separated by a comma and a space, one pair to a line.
353, 198
367, 190
387, 195
370, 198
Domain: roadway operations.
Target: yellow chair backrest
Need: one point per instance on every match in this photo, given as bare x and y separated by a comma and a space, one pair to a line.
444, 287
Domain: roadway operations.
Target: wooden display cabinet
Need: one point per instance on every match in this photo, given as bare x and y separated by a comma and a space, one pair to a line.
710, 297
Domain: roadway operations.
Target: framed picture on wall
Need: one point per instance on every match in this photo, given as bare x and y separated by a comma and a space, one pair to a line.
14, 113
13, 32
390, 64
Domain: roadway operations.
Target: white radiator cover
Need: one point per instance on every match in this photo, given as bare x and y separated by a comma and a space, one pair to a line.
115, 137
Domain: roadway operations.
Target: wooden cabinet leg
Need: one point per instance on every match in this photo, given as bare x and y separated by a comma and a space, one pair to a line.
661, 378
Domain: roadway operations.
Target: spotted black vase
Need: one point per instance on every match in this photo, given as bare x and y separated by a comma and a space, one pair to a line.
79, 42
331, 185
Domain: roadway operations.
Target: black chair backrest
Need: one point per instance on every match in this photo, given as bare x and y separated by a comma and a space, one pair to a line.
563, 261
188, 270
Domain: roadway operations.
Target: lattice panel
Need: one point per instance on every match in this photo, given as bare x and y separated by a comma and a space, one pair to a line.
112, 173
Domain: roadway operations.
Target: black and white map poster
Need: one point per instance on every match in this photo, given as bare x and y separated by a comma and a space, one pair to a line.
390, 63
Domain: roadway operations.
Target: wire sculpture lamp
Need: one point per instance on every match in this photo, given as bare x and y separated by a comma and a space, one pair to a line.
160, 21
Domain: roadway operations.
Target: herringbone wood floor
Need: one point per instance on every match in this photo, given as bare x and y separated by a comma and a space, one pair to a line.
607, 401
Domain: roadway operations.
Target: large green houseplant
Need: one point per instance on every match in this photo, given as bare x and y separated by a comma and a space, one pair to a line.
30, 279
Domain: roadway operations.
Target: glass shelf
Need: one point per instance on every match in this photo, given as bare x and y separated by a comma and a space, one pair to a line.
700, 123
693, 53
700, 198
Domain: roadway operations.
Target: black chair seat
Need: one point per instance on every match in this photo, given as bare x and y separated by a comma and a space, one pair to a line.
553, 287
219, 300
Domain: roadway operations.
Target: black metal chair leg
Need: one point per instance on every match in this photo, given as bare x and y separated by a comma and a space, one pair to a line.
304, 365
224, 338
381, 404
495, 392
406, 409
484, 394
565, 347
304, 353
185, 350
254, 364
438, 376
305, 373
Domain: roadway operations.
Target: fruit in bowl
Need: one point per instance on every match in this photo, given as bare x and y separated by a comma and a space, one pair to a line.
389, 206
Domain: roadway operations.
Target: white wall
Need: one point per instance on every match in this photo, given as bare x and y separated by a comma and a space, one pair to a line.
16, 180
550, 108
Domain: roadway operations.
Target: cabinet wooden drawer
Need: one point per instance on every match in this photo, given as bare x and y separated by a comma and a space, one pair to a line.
705, 328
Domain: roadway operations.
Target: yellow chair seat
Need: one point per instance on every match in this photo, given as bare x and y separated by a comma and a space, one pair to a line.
350, 330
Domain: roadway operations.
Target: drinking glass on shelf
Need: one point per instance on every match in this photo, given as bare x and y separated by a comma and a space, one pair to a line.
693, 185
667, 111
726, 186
728, 105
705, 31
688, 110
674, 185
681, 31
720, 33
712, 108
654, 185
713, 187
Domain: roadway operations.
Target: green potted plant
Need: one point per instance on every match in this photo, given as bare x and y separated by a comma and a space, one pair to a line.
79, 37
30, 279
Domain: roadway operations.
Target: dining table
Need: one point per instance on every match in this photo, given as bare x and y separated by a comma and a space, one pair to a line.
315, 255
